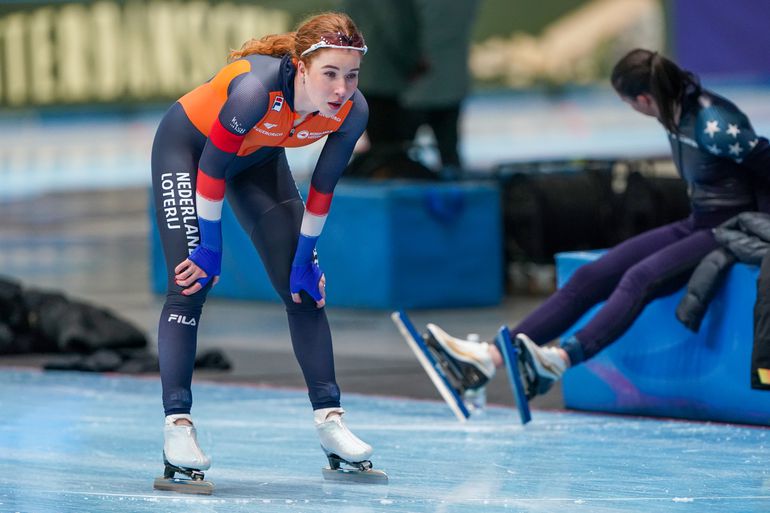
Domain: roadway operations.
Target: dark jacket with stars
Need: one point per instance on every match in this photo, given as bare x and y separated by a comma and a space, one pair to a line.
720, 157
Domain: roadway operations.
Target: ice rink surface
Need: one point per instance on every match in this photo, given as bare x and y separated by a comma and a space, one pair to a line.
91, 443
72, 442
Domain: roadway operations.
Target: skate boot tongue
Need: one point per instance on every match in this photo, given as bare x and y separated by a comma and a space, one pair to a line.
327, 414
172, 419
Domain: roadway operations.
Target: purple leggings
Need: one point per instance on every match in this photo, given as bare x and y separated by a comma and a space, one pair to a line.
630, 275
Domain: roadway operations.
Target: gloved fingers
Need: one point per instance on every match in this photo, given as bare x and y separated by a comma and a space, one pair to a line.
317, 294
309, 278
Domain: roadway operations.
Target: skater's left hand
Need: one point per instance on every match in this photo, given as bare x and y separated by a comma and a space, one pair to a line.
310, 278
189, 275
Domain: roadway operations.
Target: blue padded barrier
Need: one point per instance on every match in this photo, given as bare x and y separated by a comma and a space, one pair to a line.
386, 245
659, 368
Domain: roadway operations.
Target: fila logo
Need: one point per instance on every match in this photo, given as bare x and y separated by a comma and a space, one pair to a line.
278, 103
181, 319
270, 125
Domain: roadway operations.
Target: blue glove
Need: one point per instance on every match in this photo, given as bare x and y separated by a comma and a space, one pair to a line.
209, 260
306, 277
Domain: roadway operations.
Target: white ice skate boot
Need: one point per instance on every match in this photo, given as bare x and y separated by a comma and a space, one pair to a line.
468, 362
342, 446
182, 454
540, 366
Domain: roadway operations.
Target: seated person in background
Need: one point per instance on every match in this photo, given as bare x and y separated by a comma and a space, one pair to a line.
720, 157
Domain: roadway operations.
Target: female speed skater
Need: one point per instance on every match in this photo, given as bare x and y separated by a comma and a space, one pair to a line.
227, 138
717, 153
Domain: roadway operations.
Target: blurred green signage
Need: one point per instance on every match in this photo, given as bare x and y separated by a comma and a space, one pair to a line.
111, 51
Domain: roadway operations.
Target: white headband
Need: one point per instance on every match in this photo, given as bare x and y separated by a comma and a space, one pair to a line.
324, 44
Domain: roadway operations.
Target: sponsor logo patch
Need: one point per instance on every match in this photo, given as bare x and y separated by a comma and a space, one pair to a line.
235, 125
182, 319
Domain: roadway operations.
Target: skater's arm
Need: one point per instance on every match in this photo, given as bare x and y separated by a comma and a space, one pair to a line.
725, 131
245, 105
305, 274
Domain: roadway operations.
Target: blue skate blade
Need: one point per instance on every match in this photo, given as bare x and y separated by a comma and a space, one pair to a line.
511, 358
431, 366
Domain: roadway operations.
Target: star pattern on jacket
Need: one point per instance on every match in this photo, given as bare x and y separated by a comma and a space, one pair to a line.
724, 132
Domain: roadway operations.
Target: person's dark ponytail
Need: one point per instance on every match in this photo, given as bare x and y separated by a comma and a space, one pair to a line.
668, 85
645, 72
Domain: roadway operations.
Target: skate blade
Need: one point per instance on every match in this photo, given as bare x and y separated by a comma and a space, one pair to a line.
355, 476
511, 359
183, 485
430, 365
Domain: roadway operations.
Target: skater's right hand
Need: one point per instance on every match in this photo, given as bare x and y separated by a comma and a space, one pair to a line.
310, 278
195, 272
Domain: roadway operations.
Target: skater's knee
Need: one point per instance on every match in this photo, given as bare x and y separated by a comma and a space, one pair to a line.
587, 275
192, 304
308, 304
638, 279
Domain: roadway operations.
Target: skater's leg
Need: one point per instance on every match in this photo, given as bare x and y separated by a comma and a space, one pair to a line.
594, 282
541, 367
174, 172
659, 274
589, 285
269, 208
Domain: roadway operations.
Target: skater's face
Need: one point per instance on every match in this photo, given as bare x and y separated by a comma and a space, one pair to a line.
329, 79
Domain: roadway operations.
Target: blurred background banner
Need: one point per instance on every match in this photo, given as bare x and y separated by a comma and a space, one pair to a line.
725, 38
83, 84
123, 51
137, 51
563, 42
